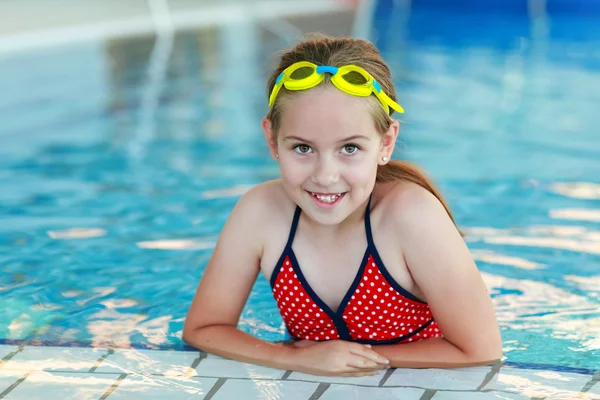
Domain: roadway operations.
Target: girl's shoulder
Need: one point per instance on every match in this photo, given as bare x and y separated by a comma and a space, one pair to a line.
266, 203
405, 204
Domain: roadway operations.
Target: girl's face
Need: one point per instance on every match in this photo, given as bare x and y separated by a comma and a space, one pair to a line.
328, 151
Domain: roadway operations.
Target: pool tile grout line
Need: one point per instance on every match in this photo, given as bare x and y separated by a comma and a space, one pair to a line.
490, 375
218, 384
286, 375
100, 360
14, 385
201, 356
591, 382
319, 391
386, 376
9, 356
428, 394
114, 386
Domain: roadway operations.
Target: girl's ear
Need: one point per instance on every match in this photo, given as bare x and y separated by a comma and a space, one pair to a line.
268, 130
388, 143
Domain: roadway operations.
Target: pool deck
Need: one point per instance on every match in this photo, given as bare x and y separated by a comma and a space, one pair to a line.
47, 372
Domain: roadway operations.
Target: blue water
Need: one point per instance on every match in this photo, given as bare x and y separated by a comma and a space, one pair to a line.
111, 198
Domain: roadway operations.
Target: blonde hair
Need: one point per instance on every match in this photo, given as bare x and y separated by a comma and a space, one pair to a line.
323, 50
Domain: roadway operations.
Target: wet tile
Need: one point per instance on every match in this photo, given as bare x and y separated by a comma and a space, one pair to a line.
149, 362
161, 388
62, 385
222, 368
260, 389
348, 392
440, 379
552, 384
478, 396
55, 358
363, 380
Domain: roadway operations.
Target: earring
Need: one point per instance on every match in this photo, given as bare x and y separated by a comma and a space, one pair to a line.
384, 159
276, 155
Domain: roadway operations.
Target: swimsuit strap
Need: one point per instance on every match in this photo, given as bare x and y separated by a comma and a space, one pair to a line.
368, 222
294, 227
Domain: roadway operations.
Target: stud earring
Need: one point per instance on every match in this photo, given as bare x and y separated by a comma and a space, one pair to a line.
384, 159
276, 155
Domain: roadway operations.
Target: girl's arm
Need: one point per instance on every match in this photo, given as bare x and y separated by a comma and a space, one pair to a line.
211, 322
441, 265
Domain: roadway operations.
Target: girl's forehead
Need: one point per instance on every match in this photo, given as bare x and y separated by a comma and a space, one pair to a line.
326, 113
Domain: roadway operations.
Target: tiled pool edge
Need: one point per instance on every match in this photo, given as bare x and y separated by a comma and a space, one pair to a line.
186, 348
323, 383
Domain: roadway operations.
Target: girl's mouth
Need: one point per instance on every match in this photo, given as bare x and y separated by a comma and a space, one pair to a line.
327, 200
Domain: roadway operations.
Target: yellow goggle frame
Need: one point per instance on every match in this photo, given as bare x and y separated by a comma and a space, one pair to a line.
305, 75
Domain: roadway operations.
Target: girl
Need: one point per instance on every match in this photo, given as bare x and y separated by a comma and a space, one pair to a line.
415, 300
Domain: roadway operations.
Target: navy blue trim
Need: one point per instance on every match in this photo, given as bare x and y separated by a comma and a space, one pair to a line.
361, 271
379, 262
398, 339
339, 323
288, 247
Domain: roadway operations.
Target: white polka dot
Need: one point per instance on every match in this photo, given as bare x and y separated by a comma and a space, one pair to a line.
326, 337
372, 284
287, 263
359, 302
318, 315
376, 277
370, 270
356, 317
290, 281
285, 288
366, 329
373, 264
365, 278
379, 290
387, 321
306, 315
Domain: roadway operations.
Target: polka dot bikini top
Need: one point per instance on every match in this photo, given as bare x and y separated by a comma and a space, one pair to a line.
375, 310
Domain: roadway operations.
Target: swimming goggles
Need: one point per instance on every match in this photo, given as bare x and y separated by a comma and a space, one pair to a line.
350, 79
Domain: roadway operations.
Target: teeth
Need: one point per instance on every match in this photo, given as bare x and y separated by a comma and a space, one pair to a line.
326, 198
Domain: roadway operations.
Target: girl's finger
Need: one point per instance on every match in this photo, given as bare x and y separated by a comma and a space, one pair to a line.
363, 363
370, 354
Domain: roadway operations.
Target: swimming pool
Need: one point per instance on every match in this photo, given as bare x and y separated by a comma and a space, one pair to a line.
111, 200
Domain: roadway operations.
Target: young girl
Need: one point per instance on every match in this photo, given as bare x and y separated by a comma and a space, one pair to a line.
366, 264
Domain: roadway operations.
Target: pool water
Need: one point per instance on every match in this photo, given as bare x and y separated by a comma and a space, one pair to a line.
115, 179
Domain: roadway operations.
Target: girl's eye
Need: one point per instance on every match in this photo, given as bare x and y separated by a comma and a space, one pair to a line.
302, 149
350, 149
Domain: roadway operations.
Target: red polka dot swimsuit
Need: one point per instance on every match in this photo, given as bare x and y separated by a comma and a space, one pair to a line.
375, 310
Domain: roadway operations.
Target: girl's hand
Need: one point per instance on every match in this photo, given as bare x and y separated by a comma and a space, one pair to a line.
338, 358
